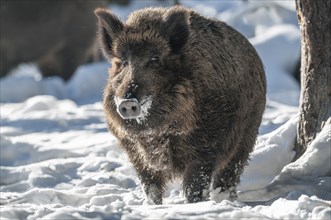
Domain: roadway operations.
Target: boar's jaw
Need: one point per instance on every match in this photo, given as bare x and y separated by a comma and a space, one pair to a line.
130, 109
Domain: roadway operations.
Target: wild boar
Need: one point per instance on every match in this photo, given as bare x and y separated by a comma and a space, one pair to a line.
185, 98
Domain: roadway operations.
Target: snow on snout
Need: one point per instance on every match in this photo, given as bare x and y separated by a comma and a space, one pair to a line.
145, 105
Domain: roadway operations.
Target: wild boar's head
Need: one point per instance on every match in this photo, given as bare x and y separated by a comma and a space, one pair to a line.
149, 81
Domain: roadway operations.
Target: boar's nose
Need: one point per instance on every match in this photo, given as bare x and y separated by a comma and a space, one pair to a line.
131, 91
129, 108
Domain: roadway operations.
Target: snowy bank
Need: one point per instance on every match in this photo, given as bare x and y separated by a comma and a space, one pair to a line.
58, 161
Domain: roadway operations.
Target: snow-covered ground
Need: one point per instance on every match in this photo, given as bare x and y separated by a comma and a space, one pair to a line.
58, 161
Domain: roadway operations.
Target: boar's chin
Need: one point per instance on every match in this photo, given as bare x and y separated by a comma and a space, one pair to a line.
144, 125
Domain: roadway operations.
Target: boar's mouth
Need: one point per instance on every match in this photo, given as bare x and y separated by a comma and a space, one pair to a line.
133, 109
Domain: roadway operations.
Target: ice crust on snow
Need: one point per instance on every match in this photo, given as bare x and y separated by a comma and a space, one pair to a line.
58, 160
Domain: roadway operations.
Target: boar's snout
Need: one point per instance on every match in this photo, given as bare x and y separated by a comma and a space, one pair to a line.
128, 108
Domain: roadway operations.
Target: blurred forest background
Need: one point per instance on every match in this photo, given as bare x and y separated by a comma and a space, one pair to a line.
56, 35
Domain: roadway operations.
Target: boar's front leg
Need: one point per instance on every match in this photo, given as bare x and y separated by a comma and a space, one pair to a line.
153, 185
197, 181
151, 180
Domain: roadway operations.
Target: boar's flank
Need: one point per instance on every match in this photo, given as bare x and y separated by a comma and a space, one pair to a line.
185, 98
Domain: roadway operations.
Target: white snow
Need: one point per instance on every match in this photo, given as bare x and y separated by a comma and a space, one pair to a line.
58, 161
145, 105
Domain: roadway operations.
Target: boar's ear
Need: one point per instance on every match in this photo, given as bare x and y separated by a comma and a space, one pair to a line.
109, 27
175, 29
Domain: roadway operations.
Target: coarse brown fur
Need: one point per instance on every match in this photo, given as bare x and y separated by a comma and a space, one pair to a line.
207, 87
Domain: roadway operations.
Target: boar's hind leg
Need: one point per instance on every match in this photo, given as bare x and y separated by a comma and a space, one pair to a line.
153, 185
229, 177
197, 181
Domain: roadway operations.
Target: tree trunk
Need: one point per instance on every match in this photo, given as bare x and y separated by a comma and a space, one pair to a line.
315, 102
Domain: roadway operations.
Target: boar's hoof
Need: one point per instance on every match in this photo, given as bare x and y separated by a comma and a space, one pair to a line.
129, 108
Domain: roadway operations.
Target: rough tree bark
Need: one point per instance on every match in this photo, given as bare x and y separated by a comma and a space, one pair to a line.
315, 103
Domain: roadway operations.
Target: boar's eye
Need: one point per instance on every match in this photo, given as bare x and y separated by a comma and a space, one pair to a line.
124, 62
155, 59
